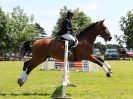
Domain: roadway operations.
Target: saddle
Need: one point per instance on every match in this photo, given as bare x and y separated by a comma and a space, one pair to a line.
71, 46
71, 43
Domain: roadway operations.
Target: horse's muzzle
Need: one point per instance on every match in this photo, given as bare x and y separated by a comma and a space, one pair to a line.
110, 38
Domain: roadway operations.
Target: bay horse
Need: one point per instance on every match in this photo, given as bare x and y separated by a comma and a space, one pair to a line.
44, 48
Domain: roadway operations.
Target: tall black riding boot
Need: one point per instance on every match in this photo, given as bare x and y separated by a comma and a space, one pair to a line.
70, 46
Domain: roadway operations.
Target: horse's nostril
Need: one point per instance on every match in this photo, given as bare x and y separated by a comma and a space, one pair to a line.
110, 38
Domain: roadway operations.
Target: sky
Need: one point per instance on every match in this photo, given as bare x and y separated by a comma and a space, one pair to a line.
46, 12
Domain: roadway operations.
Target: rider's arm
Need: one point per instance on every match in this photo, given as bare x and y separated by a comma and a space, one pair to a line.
68, 25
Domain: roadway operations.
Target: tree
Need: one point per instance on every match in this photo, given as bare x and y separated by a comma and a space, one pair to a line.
40, 29
126, 25
80, 20
19, 28
3, 23
15, 28
120, 40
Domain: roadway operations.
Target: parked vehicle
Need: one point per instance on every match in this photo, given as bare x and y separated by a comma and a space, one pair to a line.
97, 52
130, 54
123, 53
111, 54
4, 56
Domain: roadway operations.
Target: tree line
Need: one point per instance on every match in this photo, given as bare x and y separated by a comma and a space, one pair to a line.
15, 28
126, 25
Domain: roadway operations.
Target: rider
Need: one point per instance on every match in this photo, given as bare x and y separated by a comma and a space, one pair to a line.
66, 29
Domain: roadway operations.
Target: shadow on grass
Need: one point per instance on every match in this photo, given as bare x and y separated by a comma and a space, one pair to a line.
57, 92
25, 94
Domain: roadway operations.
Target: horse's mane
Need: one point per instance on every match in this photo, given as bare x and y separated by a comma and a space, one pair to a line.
86, 29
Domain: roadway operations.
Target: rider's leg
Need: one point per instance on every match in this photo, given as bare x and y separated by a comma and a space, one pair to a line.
71, 44
71, 40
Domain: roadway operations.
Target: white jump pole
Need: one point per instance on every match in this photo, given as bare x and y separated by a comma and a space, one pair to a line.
66, 69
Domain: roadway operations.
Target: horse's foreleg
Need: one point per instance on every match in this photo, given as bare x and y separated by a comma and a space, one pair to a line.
107, 66
98, 62
103, 67
105, 63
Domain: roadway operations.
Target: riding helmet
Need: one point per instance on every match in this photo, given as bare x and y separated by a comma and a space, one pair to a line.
70, 13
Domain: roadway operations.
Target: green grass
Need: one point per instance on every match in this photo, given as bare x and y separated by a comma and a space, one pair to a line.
42, 84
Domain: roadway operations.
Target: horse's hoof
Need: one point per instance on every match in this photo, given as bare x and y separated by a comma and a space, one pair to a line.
110, 70
20, 82
109, 75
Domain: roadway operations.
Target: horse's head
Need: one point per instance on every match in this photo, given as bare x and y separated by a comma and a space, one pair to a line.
104, 32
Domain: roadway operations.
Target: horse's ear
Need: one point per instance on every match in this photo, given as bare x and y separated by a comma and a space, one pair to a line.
103, 20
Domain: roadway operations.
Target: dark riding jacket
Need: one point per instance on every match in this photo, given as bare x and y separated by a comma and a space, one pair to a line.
66, 27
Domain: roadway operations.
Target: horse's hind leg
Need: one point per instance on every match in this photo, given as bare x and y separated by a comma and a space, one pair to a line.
23, 76
28, 67
105, 63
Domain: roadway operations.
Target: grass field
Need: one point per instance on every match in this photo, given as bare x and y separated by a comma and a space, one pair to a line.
42, 84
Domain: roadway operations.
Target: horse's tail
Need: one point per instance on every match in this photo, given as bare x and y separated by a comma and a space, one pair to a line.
26, 48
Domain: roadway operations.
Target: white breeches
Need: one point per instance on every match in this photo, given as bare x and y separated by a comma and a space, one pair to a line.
68, 37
